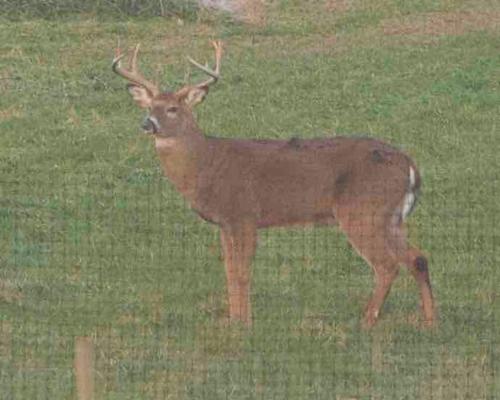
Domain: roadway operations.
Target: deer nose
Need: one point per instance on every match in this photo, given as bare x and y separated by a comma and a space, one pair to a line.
149, 125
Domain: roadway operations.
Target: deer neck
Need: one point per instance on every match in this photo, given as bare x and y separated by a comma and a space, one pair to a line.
181, 158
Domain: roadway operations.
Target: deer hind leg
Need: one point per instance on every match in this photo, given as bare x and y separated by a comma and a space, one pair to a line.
383, 243
370, 236
238, 245
384, 277
416, 262
418, 266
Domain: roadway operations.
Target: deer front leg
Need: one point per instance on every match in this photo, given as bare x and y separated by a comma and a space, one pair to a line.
231, 275
238, 246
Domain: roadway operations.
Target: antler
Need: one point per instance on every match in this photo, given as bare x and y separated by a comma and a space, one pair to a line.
215, 73
132, 74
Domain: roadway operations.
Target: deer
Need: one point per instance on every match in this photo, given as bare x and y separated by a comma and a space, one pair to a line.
364, 186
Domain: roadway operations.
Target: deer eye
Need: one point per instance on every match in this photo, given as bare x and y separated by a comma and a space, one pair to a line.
172, 109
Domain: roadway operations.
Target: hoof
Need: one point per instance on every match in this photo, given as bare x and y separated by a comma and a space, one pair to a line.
369, 320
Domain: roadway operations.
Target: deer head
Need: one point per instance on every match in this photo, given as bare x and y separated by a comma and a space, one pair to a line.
169, 113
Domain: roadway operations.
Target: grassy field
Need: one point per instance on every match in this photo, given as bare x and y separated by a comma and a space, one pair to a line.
94, 242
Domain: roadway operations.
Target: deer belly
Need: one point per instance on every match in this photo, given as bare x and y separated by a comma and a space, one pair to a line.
312, 220
296, 211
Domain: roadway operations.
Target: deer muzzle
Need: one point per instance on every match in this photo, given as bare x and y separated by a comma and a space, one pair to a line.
150, 125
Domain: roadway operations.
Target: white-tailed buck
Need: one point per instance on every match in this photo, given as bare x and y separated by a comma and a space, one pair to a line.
364, 186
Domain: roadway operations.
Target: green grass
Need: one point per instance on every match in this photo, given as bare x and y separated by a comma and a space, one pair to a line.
93, 241
19, 10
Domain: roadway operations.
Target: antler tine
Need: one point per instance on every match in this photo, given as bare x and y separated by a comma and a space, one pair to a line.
133, 59
215, 73
132, 74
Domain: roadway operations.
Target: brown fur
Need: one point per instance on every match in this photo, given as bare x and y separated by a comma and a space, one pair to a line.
244, 185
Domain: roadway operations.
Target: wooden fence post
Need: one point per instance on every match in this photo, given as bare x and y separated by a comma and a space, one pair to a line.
84, 367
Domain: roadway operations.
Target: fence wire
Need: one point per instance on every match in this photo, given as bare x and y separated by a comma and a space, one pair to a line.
112, 288
129, 269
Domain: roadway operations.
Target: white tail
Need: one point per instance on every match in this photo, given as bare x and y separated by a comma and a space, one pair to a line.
410, 196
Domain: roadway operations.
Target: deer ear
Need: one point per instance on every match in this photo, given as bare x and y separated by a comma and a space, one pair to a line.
195, 95
141, 95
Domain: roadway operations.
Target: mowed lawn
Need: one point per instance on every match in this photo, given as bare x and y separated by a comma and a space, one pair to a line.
95, 242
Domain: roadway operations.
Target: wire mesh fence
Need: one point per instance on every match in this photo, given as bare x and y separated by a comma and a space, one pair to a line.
111, 287
130, 268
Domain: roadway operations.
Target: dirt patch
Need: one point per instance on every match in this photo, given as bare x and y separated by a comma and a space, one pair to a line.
10, 113
338, 6
9, 294
441, 23
252, 12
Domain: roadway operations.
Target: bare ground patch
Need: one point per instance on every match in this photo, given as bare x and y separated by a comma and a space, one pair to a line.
338, 6
7, 114
252, 12
442, 23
